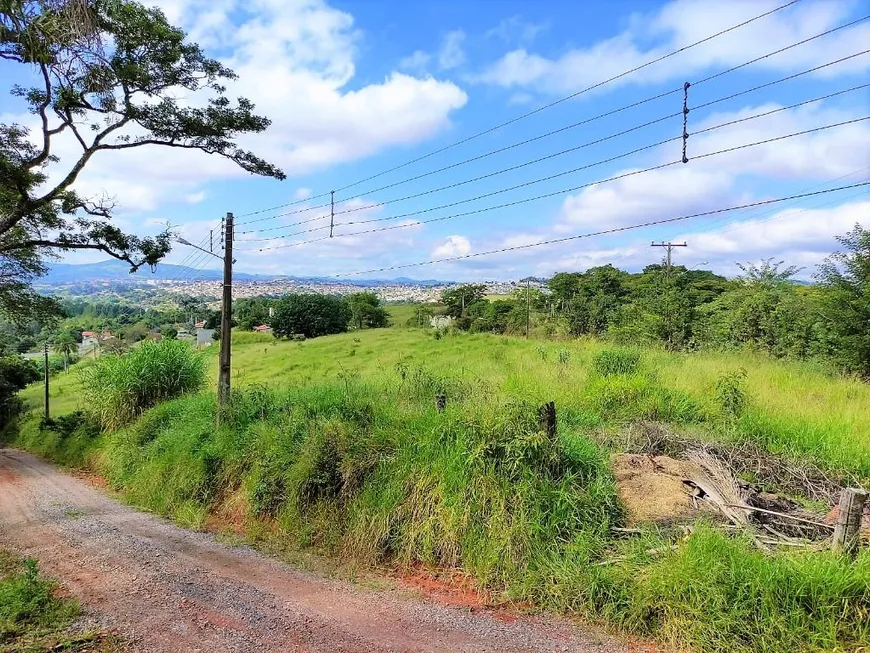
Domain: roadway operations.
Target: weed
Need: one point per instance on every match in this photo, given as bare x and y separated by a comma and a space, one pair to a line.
118, 388
616, 360
731, 395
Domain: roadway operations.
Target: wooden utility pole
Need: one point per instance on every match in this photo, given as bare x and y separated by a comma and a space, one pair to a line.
847, 534
670, 246
528, 305
226, 316
45, 364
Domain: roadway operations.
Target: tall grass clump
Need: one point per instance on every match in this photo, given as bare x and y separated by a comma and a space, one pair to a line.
616, 360
117, 389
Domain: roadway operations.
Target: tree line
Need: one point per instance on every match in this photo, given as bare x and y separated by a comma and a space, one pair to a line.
678, 308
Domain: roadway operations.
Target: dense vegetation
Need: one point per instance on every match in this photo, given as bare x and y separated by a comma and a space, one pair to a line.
689, 309
352, 457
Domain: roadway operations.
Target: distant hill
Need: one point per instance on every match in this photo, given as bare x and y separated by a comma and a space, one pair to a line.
60, 274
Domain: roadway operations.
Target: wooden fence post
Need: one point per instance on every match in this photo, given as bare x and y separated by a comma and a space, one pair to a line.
547, 418
440, 401
846, 531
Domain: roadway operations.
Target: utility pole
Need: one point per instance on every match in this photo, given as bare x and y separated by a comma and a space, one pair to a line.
45, 364
670, 246
226, 315
528, 305
331, 211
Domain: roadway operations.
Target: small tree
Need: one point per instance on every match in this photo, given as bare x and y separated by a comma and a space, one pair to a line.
366, 311
457, 300
845, 280
311, 315
65, 345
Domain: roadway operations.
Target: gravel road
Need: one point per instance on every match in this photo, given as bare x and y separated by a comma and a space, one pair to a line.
164, 588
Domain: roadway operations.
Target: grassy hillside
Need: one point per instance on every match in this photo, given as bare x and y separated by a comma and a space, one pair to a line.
794, 407
335, 443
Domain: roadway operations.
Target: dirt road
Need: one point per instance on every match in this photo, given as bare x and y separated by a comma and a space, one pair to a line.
168, 589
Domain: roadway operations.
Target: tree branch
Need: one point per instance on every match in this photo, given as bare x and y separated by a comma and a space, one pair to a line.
92, 246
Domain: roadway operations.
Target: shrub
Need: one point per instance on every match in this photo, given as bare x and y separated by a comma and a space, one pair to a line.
616, 360
731, 395
119, 388
15, 374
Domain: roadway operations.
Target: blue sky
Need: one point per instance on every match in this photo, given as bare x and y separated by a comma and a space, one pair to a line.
354, 88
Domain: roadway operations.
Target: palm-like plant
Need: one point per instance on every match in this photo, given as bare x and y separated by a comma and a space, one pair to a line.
65, 345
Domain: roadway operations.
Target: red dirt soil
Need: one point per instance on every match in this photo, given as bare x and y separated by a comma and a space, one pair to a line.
163, 588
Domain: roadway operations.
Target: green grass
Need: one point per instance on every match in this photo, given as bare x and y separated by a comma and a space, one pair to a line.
34, 618
336, 443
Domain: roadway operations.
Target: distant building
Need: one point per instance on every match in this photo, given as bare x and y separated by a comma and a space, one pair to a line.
263, 328
200, 324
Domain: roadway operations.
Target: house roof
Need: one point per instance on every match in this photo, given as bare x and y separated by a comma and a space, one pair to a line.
263, 327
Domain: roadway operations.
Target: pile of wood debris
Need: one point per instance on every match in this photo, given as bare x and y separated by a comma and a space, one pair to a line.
669, 480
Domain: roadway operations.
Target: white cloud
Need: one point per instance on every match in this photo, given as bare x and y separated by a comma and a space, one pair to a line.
452, 246
452, 55
302, 193
520, 98
295, 62
416, 62
195, 198
516, 29
643, 197
681, 22
713, 182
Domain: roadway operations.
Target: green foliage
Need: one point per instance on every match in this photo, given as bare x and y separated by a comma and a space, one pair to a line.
27, 602
365, 467
731, 395
616, 360
310, 314
118, 388
15, 374
250, 312
459, 299
121, 76
845, 278
595, 298
366, 311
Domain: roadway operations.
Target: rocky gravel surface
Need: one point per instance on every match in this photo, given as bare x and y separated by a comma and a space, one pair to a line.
164, 588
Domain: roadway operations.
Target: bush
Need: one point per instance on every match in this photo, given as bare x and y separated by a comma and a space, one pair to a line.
311, 315
119, 388
15, 374
616, 361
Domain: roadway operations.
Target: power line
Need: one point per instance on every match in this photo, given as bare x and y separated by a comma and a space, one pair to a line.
569, 97
806, 189
529, 183
281, 206
679, 89
562, 152
604, 232
559, 101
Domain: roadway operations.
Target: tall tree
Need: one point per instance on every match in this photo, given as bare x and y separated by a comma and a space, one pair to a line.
109, 74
